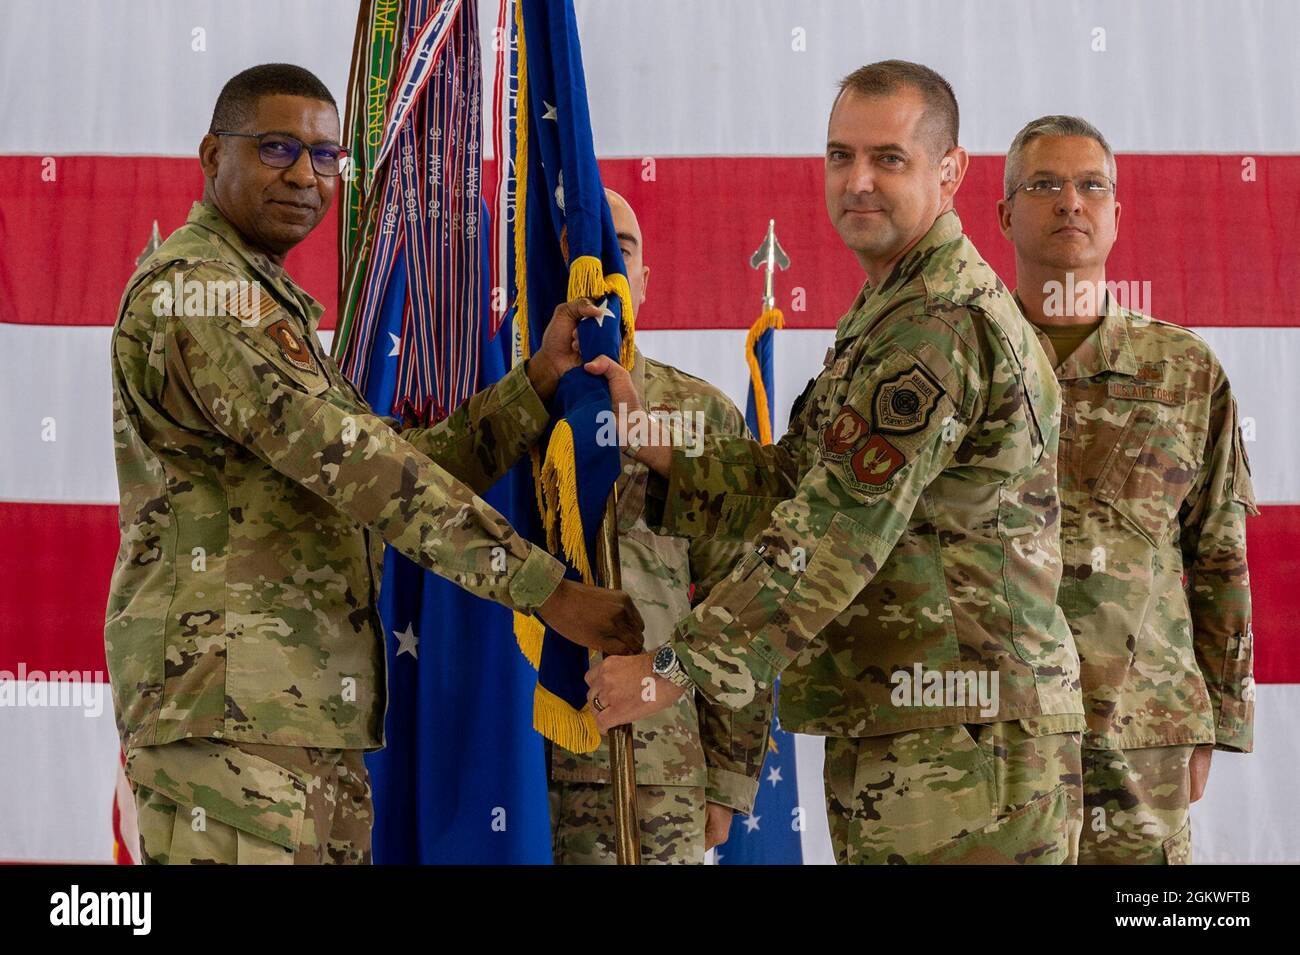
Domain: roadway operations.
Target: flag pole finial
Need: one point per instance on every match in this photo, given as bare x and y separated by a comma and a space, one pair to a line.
769, 256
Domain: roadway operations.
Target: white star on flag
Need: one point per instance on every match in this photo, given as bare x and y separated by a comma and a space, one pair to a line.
407, 642
549, 112
774, 775
397, 345
603, 305
751, 823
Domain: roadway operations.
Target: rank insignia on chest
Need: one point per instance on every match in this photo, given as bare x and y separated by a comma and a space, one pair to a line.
875, 463
291, 346
1151, 371
843, 434
904, 403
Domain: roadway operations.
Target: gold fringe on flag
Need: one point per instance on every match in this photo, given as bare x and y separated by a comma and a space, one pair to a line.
529, 632
575, 730
771, 318
587, 279
560, 485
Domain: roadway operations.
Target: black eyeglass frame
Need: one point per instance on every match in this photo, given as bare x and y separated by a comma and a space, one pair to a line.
340, 153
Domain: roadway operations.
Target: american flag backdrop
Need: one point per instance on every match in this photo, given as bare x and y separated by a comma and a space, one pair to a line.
710, 118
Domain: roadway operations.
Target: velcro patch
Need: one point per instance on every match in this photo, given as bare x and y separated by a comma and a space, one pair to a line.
904, 403
843, 434
1125, 389
291, 346
875, 463
1151, 371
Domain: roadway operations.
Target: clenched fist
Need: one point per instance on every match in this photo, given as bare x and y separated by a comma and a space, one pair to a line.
594, 617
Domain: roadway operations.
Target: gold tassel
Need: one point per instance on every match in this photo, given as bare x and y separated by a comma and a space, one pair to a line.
560, 485
559, 722
771, 318
529, 632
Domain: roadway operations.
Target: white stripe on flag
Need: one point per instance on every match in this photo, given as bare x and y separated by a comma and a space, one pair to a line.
61, 374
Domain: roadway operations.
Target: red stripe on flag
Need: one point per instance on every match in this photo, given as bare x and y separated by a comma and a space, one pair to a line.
55, 565
1215, 248
70, 244
55, 562
1275, 599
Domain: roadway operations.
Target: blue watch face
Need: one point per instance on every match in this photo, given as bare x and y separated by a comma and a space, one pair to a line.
664, 658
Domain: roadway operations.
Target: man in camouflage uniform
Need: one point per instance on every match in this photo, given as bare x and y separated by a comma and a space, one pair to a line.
907, 556
244, 645
696, 762
1154, 484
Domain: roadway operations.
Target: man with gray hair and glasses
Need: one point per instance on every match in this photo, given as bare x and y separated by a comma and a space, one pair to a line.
1154, 488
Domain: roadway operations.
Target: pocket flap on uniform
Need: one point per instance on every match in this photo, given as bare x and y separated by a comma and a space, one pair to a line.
244, 791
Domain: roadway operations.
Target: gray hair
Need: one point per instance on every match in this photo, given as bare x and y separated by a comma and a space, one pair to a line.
1051, 126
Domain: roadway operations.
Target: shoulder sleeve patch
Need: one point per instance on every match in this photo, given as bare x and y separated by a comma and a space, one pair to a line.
875, 463
291, 346
843, 434
904, 403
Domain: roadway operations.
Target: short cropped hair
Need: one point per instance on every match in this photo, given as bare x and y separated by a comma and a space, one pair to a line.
1051, 126
237, 102
940, 120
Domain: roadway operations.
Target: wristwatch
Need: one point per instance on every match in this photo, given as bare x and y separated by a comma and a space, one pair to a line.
666, 665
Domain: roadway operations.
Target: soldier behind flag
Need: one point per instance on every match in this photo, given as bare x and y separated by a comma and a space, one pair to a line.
696, 762
243, 639
1154, 484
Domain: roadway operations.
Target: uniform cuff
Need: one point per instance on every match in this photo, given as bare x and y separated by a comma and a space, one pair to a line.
1234, 737
515, 386
723, 675
534, 580
683, 516
734, 790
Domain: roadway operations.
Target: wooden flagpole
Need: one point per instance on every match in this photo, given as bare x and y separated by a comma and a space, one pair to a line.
622, 767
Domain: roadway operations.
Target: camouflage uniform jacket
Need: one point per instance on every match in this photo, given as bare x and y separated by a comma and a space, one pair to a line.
909, 521
1154, 486
694, 742
257, 489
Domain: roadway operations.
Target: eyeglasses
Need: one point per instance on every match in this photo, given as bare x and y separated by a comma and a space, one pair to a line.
281, 151
1049, 187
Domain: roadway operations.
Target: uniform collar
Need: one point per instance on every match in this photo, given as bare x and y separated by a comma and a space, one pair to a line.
1107, 349
205, 215
946, 229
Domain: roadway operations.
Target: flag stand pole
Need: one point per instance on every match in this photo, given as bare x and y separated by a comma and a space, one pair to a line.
622, 768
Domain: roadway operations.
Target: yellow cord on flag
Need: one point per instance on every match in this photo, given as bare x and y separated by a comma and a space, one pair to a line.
771, 318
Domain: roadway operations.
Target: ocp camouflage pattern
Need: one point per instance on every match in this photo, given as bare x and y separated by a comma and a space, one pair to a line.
909, 516
257, 489
1155, 485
